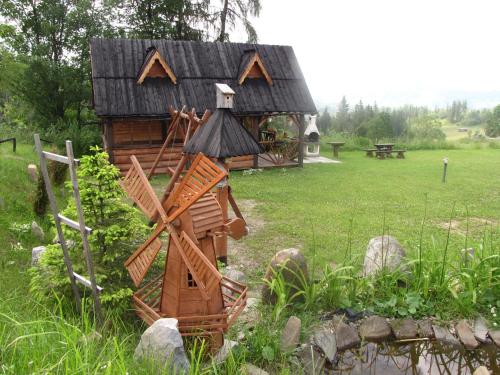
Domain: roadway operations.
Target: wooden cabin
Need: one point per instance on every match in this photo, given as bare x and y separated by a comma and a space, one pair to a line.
136, 82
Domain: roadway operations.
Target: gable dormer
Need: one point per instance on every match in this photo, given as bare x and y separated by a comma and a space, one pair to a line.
155, 66
253, 67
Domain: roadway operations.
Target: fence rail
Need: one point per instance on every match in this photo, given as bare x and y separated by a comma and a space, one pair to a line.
13, 140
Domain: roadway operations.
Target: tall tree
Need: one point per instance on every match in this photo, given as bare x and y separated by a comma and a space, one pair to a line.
343, 117
168, 19
493, 125
238, 12
325, 121
52, 37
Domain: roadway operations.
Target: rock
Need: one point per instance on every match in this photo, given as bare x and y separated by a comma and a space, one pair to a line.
248, 369
346, 336
290, 337
375, 328
404, 329
425, 329
311, 360
36, 254
292, 265
495, 336
481, 371
33, 172
465, 334
383, 252
481, 330
163, 343
37, 231
325, 340
444, 336
223, 352
234, 275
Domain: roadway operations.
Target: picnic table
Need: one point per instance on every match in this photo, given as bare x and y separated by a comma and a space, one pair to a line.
383, 150
384, 147
336, 147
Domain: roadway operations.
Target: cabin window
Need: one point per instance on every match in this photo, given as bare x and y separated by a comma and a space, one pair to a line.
253, 68
190, 281
155, 66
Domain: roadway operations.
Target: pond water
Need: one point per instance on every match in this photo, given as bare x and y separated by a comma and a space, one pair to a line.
417, 358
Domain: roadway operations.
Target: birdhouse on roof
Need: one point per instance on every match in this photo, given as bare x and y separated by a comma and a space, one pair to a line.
224, 95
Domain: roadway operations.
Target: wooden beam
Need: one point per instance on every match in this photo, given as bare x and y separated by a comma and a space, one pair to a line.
302, 129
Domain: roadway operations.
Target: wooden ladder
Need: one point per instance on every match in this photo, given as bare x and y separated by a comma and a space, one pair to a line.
80, 225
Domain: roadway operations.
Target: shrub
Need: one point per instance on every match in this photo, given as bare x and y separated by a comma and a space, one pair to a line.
41, 199
82, 137
117, 229
57, 171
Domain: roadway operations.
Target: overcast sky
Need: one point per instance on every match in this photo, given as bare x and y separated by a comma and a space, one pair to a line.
426, 52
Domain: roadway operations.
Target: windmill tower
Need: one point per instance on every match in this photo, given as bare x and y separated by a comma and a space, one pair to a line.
191, 288
221, 138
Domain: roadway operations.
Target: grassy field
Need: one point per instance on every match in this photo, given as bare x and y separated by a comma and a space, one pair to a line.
330, 211
323, 205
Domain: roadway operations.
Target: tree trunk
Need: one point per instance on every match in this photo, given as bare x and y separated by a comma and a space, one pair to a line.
223, 17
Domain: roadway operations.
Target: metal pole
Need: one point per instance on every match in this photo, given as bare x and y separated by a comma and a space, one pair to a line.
55, 213
445, 166
83, 232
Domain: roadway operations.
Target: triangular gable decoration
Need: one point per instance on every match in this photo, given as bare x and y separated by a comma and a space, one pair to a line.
155, 66
254, 68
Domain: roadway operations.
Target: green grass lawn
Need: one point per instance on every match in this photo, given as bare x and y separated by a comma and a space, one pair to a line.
323, 205
330, 211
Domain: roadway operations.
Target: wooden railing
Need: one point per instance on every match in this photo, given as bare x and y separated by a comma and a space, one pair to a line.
13, 140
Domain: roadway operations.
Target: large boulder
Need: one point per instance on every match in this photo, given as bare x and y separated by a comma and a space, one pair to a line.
162, 342
383, 252
293, 267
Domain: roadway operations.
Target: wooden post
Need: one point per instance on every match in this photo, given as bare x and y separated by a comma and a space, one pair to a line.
223, 198
301, 140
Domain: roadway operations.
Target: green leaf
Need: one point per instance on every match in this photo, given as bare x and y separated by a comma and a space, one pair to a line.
268, 353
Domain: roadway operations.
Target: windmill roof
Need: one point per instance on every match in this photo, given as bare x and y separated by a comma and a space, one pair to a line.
223, 136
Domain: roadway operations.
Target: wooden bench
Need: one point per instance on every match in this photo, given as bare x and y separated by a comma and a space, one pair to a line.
383, 154
370, 151
401, 153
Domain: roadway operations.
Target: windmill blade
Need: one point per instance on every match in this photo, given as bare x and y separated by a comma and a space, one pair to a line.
199, 179
138, 188
141, 260
204, 273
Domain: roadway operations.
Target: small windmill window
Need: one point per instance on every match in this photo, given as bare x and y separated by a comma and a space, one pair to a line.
155, 66
252, 67
190, 281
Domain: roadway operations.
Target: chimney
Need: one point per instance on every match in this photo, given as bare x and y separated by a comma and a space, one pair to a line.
224, 95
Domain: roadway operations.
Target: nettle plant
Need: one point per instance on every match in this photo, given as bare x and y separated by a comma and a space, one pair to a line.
117, 229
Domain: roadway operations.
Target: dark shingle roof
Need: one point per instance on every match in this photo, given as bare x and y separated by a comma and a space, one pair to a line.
197, 66
222, 136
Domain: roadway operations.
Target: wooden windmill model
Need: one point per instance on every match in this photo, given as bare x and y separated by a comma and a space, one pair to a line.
191, 288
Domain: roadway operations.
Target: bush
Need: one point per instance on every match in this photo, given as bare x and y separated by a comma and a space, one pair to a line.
41, 199
57, 171
117, 230
82, 137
